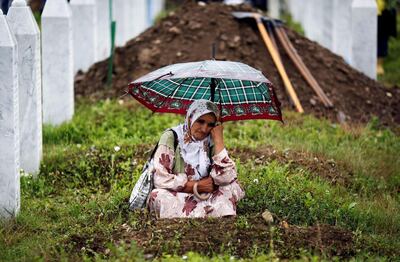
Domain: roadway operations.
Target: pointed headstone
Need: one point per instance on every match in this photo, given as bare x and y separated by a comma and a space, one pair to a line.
26, 32
364, 36
341, 38
120, 17
274, 8
84, 24
139, 16
103, 29
327, 24
9, 123
57, 62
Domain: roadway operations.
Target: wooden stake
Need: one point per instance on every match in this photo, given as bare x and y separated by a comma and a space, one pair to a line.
278, 63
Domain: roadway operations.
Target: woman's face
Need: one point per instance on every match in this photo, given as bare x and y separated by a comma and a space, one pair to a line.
202, 126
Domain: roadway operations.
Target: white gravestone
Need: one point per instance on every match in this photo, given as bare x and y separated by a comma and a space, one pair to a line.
327, 23
341, 39
290, 7
317, 21
84, 24
9, 123
27, 35
139, 17
129, 20
274, 8
119, 16
57, 62
103, 29
309, 21
364, 36
299, 12
158, 6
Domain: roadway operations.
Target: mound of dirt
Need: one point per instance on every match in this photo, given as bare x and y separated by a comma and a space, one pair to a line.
240, 237
187, 35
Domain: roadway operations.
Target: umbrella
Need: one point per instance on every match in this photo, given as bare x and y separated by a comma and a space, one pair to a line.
240, 91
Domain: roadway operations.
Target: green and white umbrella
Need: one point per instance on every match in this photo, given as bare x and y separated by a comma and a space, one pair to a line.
240, 91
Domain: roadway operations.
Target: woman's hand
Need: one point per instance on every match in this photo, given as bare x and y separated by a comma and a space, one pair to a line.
217, 135
205, 185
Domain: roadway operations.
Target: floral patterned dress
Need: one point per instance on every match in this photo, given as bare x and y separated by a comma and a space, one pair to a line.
171, 175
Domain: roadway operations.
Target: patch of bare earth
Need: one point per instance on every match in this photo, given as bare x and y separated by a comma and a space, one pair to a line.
212, 236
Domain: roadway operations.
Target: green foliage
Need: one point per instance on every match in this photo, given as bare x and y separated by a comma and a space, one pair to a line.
75, 207
38, 18
289, 22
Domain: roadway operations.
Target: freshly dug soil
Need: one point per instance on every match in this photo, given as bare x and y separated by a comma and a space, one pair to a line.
187, 35
240, 237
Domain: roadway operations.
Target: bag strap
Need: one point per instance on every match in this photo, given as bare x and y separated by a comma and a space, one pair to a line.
175, 143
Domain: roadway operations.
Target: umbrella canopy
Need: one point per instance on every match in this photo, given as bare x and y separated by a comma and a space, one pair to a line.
240, 91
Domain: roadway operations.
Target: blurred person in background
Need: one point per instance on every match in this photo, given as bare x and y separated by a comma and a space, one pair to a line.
386, 28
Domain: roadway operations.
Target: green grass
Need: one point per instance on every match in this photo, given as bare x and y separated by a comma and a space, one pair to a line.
80, 197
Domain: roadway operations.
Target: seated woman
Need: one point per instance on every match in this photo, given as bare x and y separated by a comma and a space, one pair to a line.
199, 166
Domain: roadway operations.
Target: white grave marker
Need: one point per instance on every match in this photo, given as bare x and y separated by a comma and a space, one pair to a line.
120, 17
9, 123
341, 38
140, 17
274, 8
103, 29
364, 36
84, 23
57, 59
129, 20
327, 23
26, 32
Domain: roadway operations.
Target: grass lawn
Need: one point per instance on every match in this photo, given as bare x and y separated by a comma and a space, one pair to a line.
333, 191
309, 173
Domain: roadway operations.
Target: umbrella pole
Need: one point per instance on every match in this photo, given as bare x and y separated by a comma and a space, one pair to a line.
213, 85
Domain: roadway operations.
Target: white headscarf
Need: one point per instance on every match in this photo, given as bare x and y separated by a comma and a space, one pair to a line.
195, 152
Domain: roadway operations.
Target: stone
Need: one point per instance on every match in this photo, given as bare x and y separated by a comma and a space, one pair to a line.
284, 224
274, 8
327, 24
119, 15
175, 30
27, 34
267, 216
9, 123
145, 55
341, 32
84, 24
298, 11
364, 28
341, 117
140, 19
57, 62
103, 29
155, 6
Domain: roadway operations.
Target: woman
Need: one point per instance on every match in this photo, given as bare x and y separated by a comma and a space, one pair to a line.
198, 179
